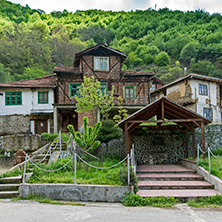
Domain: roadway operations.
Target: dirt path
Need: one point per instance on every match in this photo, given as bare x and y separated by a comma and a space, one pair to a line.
3, 169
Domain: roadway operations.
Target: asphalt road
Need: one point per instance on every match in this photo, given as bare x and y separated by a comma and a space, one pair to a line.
25, 211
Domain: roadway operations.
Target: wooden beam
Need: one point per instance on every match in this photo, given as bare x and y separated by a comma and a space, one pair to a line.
165, 121
162, 110
203, 139
186, 142
193, 141
130, 126
127, 139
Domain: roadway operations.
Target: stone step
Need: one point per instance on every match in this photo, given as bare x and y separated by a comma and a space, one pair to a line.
163, 169
168, 176
9, 187
8, 194
11, 180
174, 185
193, 193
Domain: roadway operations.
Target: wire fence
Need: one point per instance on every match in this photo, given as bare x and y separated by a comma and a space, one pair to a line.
74, 159
210, 154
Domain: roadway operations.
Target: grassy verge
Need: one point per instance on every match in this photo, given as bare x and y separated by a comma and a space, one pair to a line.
11, 173
66, 175
41, 199
133, 200
215, 201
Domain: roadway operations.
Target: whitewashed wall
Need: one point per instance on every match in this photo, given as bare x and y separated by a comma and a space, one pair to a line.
202, 99
29, 102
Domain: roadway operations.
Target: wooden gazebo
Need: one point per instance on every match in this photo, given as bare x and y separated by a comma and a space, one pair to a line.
169, 116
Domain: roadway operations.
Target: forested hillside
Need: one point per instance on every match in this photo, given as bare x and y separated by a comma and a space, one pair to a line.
164, 41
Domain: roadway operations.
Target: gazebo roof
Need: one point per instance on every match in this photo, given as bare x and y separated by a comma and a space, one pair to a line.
166, 111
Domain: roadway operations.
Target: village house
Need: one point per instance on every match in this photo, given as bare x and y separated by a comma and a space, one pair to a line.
201, 94
104, 63
27, 106
48, 104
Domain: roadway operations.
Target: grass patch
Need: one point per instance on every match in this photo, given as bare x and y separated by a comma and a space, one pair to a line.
216, 165
66, 175
214, 201
133, 200
13, 173
41, 199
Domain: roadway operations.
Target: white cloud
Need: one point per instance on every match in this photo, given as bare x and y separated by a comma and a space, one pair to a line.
117, 5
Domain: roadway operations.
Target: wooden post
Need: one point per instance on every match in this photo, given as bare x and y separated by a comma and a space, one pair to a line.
193, 140
127, 139
186, 142
203, 139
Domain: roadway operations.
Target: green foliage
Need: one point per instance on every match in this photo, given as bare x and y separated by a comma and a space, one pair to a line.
49, 137
133, 200
109, 131
92, 176
162, 59
189, 51
13, 173
122, 113
214, 201
123, 175
86, 140
4, 74
92, 99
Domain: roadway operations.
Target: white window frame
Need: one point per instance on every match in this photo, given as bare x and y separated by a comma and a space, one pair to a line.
101, 63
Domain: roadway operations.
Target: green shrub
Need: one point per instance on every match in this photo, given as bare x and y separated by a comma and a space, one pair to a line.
206, 201
133, 200
49, 137
123, 176
218, 151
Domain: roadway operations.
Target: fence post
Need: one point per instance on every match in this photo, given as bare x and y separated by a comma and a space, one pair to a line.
60, 141
128, 163
198, 153
209, 160
23, 178
74, 167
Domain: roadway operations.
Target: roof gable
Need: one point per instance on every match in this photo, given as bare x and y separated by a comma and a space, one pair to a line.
98, 50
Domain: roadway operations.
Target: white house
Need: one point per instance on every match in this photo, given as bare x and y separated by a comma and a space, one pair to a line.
27, 106
201, 94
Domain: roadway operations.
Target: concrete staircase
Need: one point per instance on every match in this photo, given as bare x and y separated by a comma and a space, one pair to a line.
63, 146
9, 187
172, 180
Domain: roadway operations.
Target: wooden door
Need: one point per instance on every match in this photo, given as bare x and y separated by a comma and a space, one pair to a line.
41, 126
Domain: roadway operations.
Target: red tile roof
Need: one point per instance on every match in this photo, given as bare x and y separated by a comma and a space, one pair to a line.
45, 82
67, 69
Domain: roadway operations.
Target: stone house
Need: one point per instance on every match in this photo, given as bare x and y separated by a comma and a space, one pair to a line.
201, 94
26, 106
104, 63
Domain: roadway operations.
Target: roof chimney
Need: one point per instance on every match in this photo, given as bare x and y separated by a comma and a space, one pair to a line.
185, 71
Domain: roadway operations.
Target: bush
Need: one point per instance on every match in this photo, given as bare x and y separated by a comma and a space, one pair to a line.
206, 201
123, 176
49, 137
133, 200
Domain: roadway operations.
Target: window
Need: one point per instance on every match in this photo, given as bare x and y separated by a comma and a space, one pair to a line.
104, 88
101, 63
42, 97
129, 92
13, 98
202, 89
74, 90
208, 113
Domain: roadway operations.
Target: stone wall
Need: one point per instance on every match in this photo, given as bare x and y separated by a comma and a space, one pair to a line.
212, 134
163, 147
71, 192
26, 142
13, 124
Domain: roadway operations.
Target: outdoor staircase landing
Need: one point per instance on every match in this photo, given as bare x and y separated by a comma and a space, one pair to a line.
172, 180
9, 187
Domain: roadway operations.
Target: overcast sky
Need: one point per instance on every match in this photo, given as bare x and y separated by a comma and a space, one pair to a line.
210, 6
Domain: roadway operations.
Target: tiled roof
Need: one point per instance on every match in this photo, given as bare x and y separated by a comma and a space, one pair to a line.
45, 82
67, 69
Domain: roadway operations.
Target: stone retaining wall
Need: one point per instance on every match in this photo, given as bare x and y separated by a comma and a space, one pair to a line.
23, 141
71, 192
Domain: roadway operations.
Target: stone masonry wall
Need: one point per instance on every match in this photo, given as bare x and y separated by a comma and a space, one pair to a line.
21, 141
13, 124
159, 147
